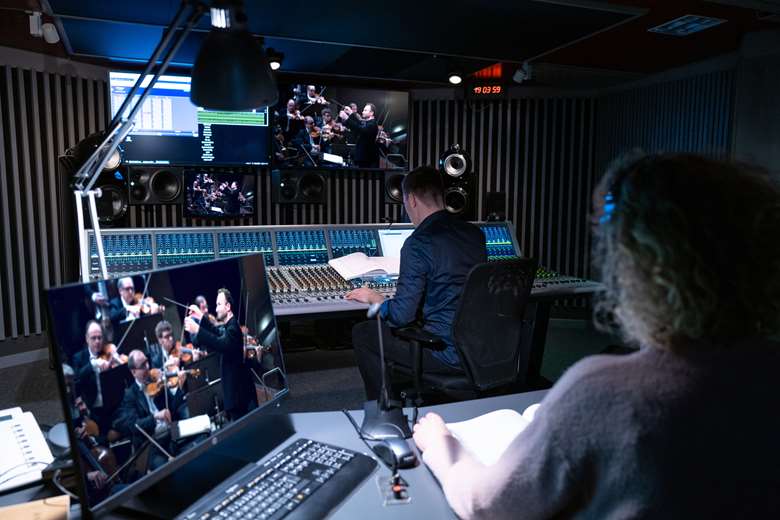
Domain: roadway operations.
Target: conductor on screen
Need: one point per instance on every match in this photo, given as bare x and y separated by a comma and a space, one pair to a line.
366, 129
225, 337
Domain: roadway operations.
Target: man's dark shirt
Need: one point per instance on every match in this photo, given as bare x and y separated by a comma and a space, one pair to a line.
366, 149
435, 260
237, 382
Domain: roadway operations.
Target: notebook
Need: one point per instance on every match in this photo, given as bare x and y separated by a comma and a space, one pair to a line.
25, 452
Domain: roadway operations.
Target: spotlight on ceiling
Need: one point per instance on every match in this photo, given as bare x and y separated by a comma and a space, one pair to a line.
455, 78
231, 71
274, 58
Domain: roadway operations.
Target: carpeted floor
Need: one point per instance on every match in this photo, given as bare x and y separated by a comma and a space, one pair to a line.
319, 379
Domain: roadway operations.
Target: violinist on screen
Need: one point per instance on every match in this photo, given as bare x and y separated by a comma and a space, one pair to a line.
129, 306
87, 365
228, 341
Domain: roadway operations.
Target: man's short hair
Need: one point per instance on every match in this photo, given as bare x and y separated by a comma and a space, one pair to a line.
228, 297
89, 325
425, 183
326, 111
132, 359
373, 107
200, 299
120, 282
161, 328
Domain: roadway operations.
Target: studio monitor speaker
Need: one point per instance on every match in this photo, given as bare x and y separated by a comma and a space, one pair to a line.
298, 187
459, 180
157, 185
393, 187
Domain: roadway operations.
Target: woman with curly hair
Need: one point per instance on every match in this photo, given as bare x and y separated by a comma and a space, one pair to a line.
688, 426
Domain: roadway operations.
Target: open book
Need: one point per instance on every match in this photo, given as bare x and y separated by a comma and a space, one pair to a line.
487, 436
358, 265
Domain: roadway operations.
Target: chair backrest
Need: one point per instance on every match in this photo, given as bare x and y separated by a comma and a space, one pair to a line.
489, 325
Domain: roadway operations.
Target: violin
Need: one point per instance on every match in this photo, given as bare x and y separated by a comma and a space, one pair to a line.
109, 353
102, 458
173, 379
144, 305
252, 349
187, 353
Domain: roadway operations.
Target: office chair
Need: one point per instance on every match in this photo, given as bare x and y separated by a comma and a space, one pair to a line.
492, 332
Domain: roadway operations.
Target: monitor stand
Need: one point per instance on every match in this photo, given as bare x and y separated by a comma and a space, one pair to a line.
173, 494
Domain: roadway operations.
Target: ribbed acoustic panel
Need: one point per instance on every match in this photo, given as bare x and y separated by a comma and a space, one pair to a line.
41, 115
693, 114
537, 151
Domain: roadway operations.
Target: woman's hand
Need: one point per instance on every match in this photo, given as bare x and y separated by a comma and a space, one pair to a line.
430, 430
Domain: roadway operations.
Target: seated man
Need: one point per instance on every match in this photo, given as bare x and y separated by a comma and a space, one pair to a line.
152, 414
87, 365
435, 261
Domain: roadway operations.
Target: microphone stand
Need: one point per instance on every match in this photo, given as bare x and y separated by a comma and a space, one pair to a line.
384, 418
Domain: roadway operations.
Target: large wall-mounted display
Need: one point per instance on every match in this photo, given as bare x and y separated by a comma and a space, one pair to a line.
170, 130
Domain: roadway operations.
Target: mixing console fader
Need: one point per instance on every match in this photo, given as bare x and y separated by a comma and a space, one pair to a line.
347, 241
184, 248
301, 247
236, 243
125, 253
550, 283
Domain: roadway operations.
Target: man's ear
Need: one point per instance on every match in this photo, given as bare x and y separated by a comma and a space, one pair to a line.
412, 200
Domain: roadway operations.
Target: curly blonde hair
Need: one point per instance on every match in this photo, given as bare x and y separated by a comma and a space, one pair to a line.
689, 251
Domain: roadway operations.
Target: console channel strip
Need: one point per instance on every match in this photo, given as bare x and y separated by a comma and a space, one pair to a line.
301, 247
235, 243
551, 283
313, 289
125, 254
347, 241
184, 248
498, 241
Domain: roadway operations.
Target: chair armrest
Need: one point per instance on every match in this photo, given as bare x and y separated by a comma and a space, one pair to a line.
422, 337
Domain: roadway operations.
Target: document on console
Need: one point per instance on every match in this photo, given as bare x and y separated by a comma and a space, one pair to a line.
487, 436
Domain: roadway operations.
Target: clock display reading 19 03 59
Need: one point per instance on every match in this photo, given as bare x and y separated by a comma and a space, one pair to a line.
486, 90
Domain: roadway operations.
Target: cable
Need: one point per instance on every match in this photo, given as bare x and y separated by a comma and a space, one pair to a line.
56, 481
393, 469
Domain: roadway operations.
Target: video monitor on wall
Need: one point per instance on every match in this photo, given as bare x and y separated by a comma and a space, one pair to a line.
219, 194
149, 385
325, 126
169, 129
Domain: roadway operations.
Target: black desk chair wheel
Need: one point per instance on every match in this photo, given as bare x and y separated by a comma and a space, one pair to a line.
492, 332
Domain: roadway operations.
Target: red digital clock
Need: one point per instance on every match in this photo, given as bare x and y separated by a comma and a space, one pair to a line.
485, 91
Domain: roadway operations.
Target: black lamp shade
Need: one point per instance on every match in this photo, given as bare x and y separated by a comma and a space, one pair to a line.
231, 73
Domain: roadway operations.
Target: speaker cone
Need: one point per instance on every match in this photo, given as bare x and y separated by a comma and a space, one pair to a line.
456, 200
165, 185
111, 205
455, 162
393, 187
311, 186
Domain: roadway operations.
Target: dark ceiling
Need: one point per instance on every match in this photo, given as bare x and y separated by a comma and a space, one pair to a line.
409, 42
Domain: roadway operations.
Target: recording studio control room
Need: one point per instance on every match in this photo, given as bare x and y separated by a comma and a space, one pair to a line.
509, 259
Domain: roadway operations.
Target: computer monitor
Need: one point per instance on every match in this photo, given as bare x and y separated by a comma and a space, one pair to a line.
391, 240
128, 432
169, 129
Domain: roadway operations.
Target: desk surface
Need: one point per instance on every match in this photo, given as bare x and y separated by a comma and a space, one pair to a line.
334, 428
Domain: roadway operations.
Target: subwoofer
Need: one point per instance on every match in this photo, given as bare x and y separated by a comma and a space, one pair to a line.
298, 187
158, 185
394, 187
459, 182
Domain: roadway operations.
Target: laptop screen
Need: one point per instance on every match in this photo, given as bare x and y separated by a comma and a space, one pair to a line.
146, 382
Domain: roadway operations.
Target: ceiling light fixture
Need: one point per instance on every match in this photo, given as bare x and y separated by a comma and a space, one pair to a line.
274, 58
455, 78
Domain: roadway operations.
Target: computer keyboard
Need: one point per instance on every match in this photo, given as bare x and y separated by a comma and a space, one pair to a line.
307, 479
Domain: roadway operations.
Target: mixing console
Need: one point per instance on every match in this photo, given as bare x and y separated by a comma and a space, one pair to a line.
301, 247
125, 253
246, 242
347, 241
316, 289
498, 241
550, 283
184, 248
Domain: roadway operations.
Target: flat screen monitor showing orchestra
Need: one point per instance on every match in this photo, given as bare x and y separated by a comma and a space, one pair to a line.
327, 126
217, 194
155, 368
